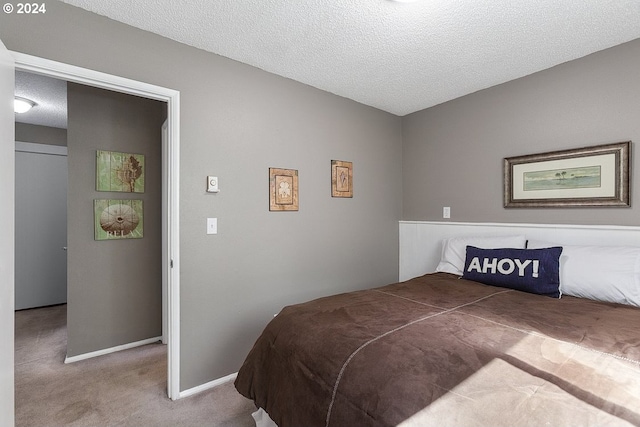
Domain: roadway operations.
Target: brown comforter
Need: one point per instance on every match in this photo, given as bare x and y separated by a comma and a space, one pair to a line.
438, 351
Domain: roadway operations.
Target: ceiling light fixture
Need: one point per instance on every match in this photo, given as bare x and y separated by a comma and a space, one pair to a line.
22, 105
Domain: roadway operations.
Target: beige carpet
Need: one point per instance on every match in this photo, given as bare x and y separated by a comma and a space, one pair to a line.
127, 388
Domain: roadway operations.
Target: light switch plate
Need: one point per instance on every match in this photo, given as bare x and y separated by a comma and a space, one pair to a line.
212, 225
212, 184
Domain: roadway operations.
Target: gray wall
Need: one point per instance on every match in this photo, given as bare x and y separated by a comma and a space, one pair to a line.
453, 153
40, 134
114, 286
236, 122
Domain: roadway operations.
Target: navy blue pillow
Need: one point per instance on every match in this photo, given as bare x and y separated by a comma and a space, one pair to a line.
529, 270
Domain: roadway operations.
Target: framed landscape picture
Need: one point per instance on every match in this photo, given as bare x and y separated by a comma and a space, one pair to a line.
591, 176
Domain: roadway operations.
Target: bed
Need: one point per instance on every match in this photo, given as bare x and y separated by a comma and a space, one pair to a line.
453, 348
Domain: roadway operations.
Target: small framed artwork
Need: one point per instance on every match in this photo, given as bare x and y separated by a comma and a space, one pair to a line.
283, 189
341, 178
590, 176
119, 172
118, 219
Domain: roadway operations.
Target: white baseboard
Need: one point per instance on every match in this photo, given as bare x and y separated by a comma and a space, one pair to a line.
207, 386
80, 357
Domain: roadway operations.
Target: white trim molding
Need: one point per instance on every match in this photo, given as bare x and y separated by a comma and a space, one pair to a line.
98, 79
208, 386
97, 353
30, 147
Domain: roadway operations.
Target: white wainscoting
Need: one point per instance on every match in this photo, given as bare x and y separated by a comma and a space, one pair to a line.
421, 241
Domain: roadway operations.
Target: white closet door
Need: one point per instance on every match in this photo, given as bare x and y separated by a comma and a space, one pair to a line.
41, 226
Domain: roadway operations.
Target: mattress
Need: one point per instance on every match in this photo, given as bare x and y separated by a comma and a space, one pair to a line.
440, 350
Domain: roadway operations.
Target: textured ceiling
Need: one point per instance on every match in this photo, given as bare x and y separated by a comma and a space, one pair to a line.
398, 57
50, 96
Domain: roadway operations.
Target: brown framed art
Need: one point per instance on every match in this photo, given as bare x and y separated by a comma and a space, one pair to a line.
283, 189
590, 176
341, 178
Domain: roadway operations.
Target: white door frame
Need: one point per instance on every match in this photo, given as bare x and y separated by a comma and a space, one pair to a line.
171, 252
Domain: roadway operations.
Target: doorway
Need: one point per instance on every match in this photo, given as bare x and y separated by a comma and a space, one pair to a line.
170, 251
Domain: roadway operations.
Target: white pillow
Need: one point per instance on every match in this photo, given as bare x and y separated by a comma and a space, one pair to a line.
454, 249
604, 273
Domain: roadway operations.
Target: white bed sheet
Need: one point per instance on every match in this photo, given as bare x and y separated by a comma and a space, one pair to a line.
262, 419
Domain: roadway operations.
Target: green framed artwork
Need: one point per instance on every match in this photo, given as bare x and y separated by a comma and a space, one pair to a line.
118, 219
119, 172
